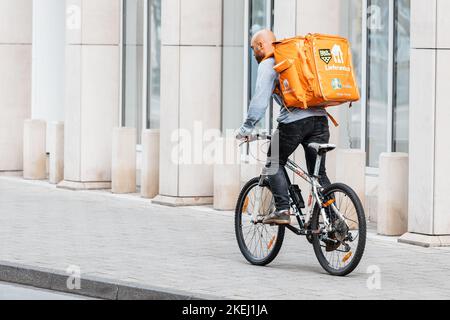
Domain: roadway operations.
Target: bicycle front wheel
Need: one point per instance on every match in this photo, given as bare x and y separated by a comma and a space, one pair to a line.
340, 251
259, 243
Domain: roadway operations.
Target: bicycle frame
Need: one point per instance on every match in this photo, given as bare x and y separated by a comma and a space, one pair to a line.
314, 193
315, 186
314, 197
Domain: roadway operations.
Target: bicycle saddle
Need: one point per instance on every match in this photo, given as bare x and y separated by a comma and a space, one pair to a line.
322, 148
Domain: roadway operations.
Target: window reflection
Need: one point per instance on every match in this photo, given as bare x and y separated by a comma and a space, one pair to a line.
401, 82
377, 76
154, 64
259, 19
138, 95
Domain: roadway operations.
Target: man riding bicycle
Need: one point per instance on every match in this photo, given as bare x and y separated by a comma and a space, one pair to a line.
296, 126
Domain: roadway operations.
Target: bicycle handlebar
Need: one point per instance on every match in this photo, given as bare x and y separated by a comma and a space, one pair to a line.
255, 137
259, 136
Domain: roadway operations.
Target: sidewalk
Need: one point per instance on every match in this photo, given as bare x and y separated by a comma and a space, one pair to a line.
193, 250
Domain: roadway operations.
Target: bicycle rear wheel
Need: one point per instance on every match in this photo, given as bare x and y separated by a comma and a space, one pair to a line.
340, 251
259, 243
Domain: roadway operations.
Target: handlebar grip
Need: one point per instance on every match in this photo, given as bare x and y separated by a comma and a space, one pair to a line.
259, 136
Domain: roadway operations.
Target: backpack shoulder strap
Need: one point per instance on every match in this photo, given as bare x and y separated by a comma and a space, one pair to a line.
333, 119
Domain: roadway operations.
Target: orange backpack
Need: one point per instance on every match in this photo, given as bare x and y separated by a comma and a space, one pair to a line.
315, 71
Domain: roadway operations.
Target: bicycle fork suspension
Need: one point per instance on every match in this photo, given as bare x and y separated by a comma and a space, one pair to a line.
257, 207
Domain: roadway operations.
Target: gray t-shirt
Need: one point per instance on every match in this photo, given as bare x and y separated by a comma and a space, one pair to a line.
265, 85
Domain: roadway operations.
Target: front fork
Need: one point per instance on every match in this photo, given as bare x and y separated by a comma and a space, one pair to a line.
256, 209
259, 191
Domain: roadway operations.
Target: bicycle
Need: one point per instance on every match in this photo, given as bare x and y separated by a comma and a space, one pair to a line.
331, 229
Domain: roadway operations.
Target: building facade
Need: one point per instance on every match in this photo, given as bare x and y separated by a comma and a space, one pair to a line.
175, 65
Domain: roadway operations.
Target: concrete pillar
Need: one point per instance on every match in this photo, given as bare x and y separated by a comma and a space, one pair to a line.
327, 10
351, 170
255, 161
371, 206
429, 153
191, 45
285, 27
227, 174
124, 160
15, 81
92, 95
150, 164
392, 206
250, 171
56, 149
49, 42
34, 150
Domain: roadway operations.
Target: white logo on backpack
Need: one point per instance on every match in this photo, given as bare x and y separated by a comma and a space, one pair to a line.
337, 53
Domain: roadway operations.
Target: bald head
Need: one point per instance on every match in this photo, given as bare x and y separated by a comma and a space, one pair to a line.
262, 44
265, 36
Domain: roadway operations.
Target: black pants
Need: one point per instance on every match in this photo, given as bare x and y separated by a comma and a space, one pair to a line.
286, 140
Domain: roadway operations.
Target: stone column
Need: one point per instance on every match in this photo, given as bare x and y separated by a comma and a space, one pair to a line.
34, 150
150, 164
56, 149
48, 70
255, 161
429, 152
190, 98
227, 174
92, 95
351, 170
392, 217
124, 160
15, 80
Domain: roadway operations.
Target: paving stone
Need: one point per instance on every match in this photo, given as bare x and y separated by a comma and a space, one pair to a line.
191, 250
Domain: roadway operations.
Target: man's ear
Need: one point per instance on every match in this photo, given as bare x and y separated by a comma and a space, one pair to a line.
259, 45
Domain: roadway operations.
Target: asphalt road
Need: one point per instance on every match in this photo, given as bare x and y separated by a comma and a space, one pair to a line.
15, 292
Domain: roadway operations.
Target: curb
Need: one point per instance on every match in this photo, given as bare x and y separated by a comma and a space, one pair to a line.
92, 287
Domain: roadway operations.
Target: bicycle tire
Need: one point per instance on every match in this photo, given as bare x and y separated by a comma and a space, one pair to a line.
239, 233
362, 231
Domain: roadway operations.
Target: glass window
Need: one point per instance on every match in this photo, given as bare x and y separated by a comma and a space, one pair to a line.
233, 63
351, 132
401, 73
377, 80
141, 53
382, 69
258, 21
133, 63
261, 13
154, 64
